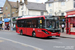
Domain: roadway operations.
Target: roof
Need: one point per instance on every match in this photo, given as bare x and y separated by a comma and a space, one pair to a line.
13, 4
30, 6
51, 1
36, 6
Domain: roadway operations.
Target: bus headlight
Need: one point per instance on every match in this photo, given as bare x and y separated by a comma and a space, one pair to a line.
45, 32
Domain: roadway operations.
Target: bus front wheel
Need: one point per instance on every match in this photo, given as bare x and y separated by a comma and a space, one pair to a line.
34, 34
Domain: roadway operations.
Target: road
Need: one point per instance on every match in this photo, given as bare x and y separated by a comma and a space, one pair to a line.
10, 40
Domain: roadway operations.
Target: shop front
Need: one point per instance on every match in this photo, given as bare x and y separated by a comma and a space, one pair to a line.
7, 24
70, 22
0, 25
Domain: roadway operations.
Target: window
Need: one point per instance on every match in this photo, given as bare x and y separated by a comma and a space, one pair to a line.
22, 7
12, 12
59, 10
50, 10
0, 18
42, 13
62, 14
50, 5
8, 15
22, 13
62, 3
74, 4
14, 6
4, 15
0, 9
6, 8
50, 14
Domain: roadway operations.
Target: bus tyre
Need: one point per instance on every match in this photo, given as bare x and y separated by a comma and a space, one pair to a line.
34, 34
21, 33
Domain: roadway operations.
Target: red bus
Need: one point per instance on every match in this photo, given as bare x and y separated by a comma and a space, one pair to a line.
38, 26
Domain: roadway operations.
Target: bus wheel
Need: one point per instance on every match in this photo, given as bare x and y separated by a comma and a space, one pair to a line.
21, 33
34, 34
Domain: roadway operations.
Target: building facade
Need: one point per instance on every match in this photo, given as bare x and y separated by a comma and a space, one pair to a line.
58, 7
30, 8
10, 9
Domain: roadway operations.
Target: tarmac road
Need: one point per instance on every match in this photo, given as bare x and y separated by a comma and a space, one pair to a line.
10, 40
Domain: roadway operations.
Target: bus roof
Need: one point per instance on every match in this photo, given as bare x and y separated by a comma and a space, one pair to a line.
28, 17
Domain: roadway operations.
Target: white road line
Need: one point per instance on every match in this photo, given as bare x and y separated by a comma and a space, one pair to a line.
53, 41
21, 43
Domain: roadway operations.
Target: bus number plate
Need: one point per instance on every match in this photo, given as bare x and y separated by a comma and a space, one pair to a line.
53, 33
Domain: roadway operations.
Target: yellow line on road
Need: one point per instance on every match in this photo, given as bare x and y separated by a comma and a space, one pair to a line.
24, 45
1, 41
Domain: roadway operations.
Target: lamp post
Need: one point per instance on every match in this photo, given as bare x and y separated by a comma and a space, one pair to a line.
11, 27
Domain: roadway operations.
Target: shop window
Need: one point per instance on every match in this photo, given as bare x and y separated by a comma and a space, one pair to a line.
72, 27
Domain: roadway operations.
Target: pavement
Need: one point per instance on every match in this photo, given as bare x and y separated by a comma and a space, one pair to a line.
64, 35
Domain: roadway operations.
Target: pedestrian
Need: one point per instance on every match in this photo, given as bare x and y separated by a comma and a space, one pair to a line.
63, 27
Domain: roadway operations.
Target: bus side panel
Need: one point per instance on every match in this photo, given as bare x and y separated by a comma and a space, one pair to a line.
29, 31
38, 32
20, 29
24, 30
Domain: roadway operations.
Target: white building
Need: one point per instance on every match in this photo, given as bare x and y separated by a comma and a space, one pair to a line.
58, 7
30, 8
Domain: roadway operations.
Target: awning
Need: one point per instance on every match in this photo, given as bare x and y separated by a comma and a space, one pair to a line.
0, 22
6, 19
70, 15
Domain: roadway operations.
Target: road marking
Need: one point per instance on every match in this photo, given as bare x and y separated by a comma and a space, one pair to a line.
54, 41
21, 43
1, 41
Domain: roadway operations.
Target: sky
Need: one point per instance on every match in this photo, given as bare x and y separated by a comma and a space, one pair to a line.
39, 1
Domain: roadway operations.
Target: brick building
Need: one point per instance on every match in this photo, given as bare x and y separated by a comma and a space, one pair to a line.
10, 10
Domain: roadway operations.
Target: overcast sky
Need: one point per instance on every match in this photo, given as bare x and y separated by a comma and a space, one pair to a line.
39, 1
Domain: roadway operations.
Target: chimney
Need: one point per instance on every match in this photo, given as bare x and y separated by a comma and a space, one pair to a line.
20, 1
25, 1
17, 4
6, 0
